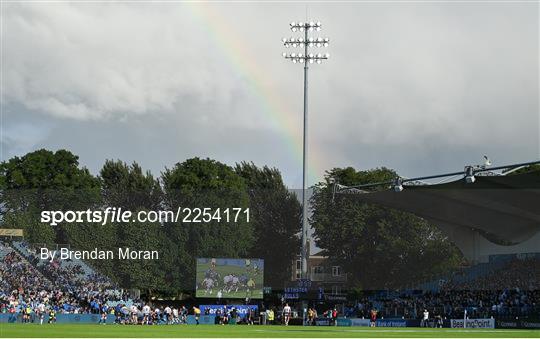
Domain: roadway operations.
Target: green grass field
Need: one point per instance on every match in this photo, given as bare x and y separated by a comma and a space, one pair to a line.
243, 331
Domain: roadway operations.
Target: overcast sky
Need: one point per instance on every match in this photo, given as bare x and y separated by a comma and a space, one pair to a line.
419, 87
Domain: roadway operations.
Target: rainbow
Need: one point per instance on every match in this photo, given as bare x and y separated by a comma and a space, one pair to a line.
236, 53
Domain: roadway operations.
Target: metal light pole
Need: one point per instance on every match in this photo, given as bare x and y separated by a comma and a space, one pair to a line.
306, 58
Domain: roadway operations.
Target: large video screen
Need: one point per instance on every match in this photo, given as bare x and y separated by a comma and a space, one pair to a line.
230, 278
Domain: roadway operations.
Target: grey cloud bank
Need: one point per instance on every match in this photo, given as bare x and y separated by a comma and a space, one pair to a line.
418, 87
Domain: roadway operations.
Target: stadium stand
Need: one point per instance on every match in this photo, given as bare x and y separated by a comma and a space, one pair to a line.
68, 273
4, 250
26, 280
507, 287
467, 274
522, 274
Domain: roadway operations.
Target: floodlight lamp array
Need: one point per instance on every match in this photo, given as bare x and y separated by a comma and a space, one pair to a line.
305, 43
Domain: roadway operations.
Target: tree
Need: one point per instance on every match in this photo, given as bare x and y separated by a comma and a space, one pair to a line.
143, 274
380, 248
128, 187
45, 169
276, 221
205, 183
44, 180
34, 231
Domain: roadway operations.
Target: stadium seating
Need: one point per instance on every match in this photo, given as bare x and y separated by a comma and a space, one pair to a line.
4, 250
467, 274
78, 269
505, 287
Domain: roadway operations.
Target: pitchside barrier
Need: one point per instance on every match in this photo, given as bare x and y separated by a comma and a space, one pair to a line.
323, 322
352, 322
453, 323
60, 318
211, 319
242, 310
518, 323
203, 320
379, 322
472, 323
92, 319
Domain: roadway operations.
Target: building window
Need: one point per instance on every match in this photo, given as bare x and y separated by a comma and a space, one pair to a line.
317, 270
336, 289
298, 270
336, 271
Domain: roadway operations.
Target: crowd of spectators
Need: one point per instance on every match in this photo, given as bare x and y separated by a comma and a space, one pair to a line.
23, 286
452, 304
16, 272
73, 277
523, 274
513, 290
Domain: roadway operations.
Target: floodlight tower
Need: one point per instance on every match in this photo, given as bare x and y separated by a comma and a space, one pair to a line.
305, 58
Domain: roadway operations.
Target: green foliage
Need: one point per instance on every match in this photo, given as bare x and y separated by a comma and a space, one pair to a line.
380, 248
276, 221
349, 176
44, 180
200, 183
527, 169
143, 274
34, 231
128, 187
195, 175
44, 169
